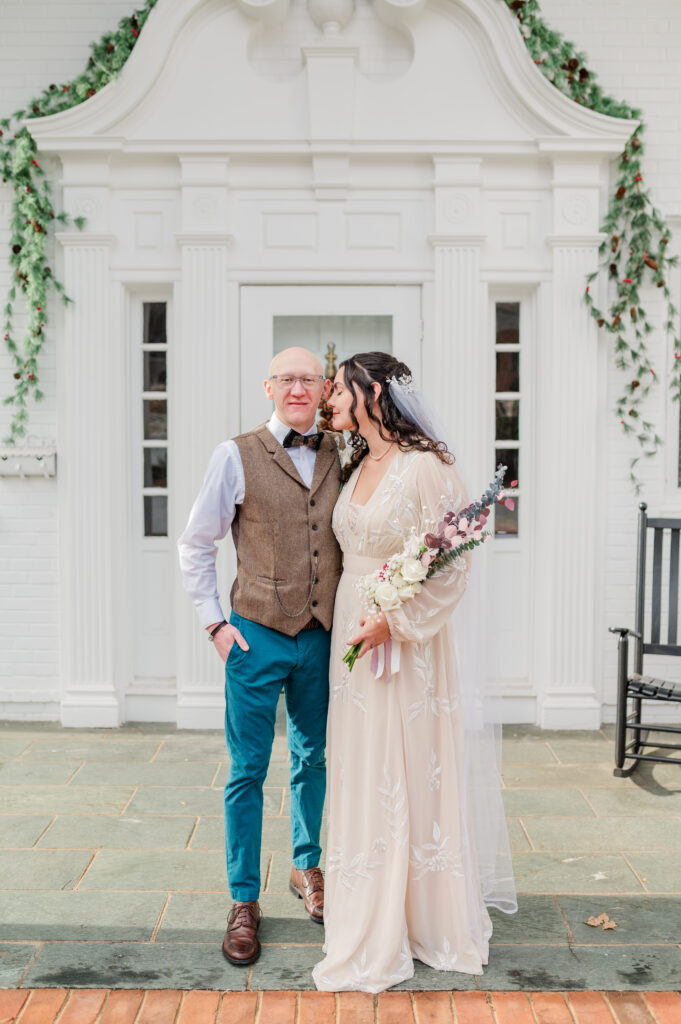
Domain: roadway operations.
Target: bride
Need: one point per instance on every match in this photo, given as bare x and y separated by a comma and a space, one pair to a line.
417, 844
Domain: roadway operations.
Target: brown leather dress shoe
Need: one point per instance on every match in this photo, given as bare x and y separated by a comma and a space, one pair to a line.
308, 885
240, 944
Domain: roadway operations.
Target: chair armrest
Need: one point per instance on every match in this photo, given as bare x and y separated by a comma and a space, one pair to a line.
624, 631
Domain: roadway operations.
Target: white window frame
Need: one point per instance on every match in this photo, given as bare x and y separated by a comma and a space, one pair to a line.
137, 396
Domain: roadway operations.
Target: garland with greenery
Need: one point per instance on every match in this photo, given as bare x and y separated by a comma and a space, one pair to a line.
33, 210
634, 253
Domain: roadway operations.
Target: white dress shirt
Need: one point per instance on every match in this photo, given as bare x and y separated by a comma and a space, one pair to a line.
213, 512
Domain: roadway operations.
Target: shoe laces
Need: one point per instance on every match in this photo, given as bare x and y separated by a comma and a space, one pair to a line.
313, 879
243, 914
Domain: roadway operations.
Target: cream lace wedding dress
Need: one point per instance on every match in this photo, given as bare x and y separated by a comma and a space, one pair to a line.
402, 879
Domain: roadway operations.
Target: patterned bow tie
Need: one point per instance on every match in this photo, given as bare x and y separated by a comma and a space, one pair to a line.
295, 440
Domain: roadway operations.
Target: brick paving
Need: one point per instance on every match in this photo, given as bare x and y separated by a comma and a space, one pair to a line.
57, 1006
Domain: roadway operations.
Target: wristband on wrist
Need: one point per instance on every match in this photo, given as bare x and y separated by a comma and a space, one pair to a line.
214, 632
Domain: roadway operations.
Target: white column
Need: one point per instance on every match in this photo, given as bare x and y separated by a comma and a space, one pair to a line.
455, 355
206, 408
572, 390
88, 507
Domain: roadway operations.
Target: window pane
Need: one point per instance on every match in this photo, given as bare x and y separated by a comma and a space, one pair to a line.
154, 331
507, 457
156, 419
155, 516
508, 323
507, 419
155, 467
505, 520
508, 371
154, 371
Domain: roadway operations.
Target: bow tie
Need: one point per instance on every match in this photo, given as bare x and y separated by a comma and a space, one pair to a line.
295, 440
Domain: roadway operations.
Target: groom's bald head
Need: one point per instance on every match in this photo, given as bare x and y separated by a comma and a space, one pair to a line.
305, 361
296, 405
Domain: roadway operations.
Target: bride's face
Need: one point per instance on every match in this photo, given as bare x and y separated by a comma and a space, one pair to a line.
340, 401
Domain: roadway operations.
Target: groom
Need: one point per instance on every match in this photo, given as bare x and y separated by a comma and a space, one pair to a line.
276, 487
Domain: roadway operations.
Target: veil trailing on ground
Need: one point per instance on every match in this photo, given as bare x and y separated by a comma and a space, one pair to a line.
484, 829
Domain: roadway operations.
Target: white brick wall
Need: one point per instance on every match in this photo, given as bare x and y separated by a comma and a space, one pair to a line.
633, 47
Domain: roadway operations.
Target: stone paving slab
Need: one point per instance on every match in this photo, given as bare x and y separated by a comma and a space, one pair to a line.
657, 918
42, 869
537, 968
126, 870
133, 965
48, 916
20, 830
573, 872
118, 833
595, 834
64, 799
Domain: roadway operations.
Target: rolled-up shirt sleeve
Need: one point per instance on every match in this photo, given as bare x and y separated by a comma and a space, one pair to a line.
211, 516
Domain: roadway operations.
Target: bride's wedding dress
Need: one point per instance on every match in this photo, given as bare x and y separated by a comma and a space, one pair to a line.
402, 862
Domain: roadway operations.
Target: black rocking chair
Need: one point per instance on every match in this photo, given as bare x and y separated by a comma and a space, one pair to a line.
639, 687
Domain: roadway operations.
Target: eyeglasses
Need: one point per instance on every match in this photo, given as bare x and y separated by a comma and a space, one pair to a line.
286, 382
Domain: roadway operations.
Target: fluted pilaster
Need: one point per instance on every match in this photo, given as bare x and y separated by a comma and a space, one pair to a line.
86, 450
567, 475
207, 412
455, 365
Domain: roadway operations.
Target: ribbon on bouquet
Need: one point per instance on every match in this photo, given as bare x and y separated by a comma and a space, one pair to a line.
385, 659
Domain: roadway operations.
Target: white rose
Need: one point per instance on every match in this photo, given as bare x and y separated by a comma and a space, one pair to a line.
409, 590
412, 570
387, 597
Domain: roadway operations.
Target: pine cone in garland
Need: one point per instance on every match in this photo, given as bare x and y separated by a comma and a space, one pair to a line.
650, 262
621, 192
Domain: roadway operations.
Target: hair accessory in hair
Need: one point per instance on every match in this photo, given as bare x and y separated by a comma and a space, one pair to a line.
405, 382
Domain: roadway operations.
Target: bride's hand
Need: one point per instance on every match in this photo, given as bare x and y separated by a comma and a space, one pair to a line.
373, 630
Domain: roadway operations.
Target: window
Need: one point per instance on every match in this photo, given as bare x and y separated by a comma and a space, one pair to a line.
155, 419
507, 410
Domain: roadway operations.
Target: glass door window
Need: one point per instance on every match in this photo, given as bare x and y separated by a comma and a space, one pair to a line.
507, 398
154, 356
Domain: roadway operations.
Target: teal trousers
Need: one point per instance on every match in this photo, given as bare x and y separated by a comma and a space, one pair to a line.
253, 683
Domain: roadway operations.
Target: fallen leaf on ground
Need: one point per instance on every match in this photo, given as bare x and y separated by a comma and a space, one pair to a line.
602, 919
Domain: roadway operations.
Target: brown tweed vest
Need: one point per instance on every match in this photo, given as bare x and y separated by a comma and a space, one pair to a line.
288, 560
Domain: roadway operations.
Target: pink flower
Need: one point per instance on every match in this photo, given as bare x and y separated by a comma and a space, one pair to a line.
463, 524
427, 558
509, 503
450, 532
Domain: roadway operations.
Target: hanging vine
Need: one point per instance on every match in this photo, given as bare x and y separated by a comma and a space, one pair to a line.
33, 212
636, 250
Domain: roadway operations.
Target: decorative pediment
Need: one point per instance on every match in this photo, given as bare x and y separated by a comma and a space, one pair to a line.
452, 73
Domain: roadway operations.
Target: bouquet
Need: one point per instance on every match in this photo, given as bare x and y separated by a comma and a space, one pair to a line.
403, 575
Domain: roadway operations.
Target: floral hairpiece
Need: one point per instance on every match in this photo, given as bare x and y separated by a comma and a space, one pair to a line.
405, 382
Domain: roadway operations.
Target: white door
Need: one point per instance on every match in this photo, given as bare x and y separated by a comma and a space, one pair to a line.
351, 318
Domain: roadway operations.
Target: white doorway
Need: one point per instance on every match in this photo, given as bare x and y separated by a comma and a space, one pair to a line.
351, 318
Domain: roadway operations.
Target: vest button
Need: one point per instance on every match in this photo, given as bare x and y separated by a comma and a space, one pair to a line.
314, 604
314, 526
312, 501
315, 554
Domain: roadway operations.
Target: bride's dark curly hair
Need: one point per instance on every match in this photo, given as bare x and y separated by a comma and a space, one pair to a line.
360, 372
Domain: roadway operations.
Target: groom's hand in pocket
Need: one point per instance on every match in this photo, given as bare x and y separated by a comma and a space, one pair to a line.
224, 640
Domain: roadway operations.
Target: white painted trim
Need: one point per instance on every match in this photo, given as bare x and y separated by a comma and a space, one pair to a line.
517, 81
